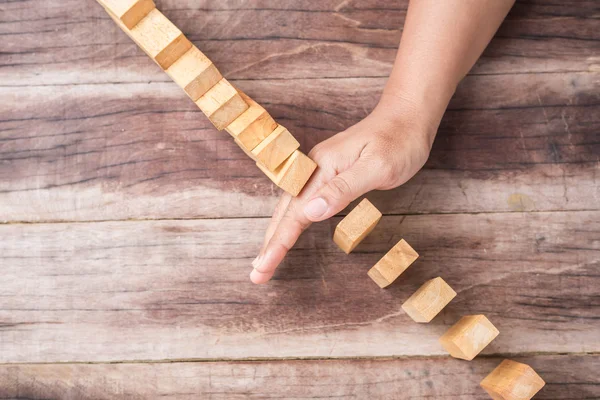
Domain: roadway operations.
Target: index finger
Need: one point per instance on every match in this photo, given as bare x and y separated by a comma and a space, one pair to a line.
287, 232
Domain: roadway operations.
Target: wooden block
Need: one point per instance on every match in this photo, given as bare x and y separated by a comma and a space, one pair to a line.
512, 381
356, 226
469, 336
429, 300
160, 39
253, 126
194, 73
276, 148
222, 104
129, 12
293, 174
248, 153
393, 264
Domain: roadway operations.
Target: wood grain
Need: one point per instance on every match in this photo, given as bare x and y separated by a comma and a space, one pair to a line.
568, 377
285, 39
159, 290
138, 151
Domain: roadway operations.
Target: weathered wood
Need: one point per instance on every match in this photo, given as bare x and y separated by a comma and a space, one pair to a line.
568, 377
318, 39
180, 289
145, 151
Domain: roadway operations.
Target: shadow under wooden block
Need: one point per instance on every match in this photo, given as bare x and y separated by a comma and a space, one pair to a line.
222, 104
194, 73
129, 12
359, 222
469, 336
276, 148
393, 264
160, 39
253, 126
293, 174
512, 381
429, 300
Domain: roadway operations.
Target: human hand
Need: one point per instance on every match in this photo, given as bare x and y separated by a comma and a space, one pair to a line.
381, 152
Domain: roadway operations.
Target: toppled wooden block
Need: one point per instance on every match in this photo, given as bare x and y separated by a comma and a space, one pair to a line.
429, 300
393, 264
194, 73
469, 336
129, 12
160, 39
248, 153
356, 226
276, 148
512, 381
222, 104
293, 174
253, 126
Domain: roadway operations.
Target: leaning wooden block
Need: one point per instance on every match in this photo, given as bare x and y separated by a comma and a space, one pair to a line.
129, 12
248, 153
276, 148
253, 126
222, 104
393, 264
160, 39
429, 300
469, 336
356, 226
194, 73
512, 381
293, 174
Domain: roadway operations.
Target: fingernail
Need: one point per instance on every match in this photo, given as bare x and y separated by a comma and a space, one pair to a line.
256, 261
316, 208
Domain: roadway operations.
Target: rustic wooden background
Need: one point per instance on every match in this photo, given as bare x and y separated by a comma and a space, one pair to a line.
128, 224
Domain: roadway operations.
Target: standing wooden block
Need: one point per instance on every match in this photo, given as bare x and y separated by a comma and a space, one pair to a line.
293, 174
393, 264
222, 104
429, 300
356, 226
129, 12
194, 73
512, 381
276, 148
469, 336
253, 126
160, 39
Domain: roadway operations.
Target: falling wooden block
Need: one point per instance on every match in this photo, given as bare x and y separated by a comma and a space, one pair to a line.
160, 39
253, 126
293, 174
222, 104
429, 300
512, 381
276, 148
129, 12
393, 264
469, 336
248, 153
194, 73
356, 226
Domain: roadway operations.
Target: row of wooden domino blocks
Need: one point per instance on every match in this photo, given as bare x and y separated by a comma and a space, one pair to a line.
273, 148
464, 340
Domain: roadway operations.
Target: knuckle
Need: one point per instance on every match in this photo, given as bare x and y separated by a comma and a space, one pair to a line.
318, 152
339, 188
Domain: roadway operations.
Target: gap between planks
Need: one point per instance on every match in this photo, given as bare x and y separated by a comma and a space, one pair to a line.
55, 222
283, 359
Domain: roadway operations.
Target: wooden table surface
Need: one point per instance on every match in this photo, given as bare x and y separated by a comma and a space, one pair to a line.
129, 223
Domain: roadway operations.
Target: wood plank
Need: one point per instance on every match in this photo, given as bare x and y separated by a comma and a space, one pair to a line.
103, 152
159, 290
318, 39
567, 377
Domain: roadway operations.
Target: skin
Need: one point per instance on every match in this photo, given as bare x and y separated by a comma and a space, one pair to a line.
441, 42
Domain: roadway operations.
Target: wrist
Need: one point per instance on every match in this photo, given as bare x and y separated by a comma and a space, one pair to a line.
404, 110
